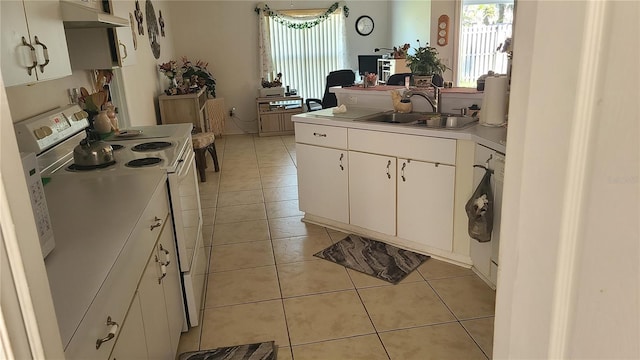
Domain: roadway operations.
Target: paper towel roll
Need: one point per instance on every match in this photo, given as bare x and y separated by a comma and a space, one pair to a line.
494, 101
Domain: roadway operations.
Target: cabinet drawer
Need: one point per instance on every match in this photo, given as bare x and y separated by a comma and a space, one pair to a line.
117, 291
328, 136
404, 146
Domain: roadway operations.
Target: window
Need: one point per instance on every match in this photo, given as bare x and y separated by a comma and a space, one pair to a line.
306, 56
485, 25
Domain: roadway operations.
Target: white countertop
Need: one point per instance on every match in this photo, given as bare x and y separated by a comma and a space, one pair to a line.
491, 137
92, 218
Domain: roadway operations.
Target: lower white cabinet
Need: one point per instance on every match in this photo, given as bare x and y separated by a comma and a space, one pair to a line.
372, 192
485, 255
425, 203
171, 286
399, 185
157, 291
323, 181
131, 343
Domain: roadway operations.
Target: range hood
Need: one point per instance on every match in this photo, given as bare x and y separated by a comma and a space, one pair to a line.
78, 16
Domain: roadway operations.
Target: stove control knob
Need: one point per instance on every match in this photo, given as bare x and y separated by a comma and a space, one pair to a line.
42, 132
80, 115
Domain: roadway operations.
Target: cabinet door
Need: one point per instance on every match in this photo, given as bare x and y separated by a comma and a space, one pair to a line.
131, 343
45, 22
323, 182
124, 35
425, 203
481, 252
287, 124
15, 56
171, 285
154, 311
270, 123
372, 192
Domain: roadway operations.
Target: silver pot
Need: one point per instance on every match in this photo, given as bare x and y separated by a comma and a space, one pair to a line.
93, 153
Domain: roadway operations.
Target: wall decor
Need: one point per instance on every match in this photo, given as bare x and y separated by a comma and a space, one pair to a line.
161, 21
152, 29
139, 18
134, 36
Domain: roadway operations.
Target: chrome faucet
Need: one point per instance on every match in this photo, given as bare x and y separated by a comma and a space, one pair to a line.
434, 102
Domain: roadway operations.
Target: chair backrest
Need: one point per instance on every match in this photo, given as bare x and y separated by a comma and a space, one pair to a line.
336, 78
398, 79
216, 115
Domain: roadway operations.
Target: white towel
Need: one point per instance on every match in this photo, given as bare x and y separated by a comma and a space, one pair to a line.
340, 109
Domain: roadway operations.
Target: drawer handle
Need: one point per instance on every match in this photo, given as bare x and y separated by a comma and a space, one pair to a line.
33, 55
125, 50
319, 134
163, 269
157, 224
341, 157
388, 166
167, 258
45, 52
112, 332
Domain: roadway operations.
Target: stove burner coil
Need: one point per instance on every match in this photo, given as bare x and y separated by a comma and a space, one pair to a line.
74, 167
143, 162
154, 145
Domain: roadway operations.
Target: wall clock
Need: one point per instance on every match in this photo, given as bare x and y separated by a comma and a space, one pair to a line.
364, 25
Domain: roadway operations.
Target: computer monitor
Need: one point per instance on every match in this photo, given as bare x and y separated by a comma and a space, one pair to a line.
368, 63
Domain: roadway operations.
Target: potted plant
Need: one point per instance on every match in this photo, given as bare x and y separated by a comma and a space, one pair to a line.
424, 64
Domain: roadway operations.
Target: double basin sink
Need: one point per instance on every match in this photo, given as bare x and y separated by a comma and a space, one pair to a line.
426, 119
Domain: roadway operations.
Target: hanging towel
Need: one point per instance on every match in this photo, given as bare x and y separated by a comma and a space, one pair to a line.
479, 210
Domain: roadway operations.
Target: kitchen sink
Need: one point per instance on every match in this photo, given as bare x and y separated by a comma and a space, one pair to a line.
426, 119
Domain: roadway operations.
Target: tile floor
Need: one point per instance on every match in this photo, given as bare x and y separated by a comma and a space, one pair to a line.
264, 284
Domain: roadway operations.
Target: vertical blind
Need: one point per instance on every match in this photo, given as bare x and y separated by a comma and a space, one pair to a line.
306, 56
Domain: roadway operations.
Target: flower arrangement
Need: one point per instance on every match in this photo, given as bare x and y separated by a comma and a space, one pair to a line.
370, 79
189, 77
425, 61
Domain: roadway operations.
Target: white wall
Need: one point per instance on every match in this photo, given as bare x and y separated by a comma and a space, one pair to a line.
411, 21
569, 277
448, 52
225, 34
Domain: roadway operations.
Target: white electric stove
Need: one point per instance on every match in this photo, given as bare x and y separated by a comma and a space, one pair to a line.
54, 135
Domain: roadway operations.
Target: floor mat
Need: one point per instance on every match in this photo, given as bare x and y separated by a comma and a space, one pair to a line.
257, 351
375, 258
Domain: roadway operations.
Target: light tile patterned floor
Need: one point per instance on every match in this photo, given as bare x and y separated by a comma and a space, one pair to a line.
264, 284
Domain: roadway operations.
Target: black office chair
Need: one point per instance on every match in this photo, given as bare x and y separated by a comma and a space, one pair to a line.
329, 100
398, 79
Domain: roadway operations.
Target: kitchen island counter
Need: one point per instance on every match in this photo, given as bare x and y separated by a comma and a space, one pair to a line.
491, 137
93, 218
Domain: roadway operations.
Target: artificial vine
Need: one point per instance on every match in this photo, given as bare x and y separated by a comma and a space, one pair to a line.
283, 19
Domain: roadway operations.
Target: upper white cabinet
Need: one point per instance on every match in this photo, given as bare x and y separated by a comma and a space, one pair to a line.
103, 48
33, 44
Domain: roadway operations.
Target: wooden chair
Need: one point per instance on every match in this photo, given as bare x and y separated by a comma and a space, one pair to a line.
204, 142
195, 108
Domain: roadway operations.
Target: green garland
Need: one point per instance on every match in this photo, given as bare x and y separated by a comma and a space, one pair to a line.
298, 25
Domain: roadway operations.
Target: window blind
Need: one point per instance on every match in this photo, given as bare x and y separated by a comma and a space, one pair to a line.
306, 56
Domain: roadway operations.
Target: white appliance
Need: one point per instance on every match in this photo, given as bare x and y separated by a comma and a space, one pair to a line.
172, 151
38, 203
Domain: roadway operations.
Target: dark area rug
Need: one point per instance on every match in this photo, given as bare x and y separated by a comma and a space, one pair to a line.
258, 351
375, 258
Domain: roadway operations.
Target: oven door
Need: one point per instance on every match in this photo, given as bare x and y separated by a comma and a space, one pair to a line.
185, 207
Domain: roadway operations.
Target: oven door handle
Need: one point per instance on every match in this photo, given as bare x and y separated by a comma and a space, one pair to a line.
184, 164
